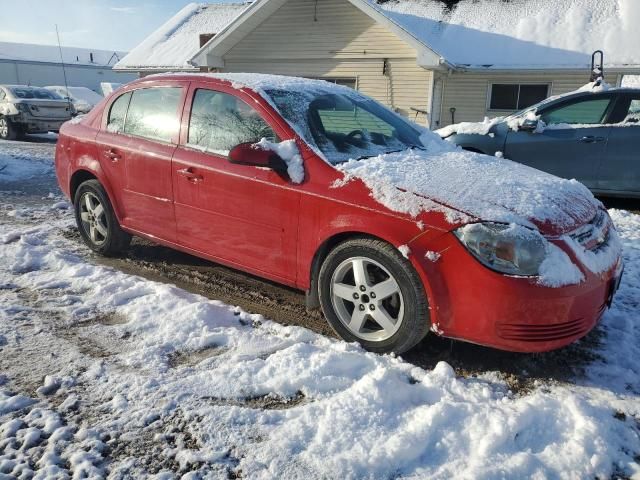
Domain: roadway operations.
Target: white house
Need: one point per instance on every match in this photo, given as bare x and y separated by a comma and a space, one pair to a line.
41, 65
430, 61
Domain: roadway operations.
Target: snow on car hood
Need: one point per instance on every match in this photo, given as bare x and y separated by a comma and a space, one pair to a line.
484, 187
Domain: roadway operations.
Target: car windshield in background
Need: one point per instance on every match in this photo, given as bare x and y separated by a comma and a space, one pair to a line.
345, 126
37, 93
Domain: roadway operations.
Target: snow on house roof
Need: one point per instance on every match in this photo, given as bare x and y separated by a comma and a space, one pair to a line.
522, 33
51, 54
174, 43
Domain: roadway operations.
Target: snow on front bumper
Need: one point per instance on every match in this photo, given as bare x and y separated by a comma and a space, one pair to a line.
596, 245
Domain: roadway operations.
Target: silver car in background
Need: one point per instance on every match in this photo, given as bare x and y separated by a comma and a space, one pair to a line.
25, 109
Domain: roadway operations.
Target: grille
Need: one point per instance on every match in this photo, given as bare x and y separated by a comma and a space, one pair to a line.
542, 333
594, 235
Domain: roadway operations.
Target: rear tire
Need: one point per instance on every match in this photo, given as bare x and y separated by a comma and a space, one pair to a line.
97, 222
8, 131
371, 294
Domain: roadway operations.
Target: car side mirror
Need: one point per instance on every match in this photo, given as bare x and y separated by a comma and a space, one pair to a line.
529, 125
251, 155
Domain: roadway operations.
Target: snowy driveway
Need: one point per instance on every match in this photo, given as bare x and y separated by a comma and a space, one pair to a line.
107, 374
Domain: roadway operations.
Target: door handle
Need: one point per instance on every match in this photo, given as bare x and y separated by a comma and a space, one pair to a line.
591, 139
190, 175
112, 155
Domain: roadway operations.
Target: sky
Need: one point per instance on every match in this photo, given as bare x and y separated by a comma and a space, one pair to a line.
101, 24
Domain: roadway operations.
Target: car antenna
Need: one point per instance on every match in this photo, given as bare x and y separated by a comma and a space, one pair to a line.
64, 70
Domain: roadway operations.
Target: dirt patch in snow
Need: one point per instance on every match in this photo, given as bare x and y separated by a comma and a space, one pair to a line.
190, 359
262, 402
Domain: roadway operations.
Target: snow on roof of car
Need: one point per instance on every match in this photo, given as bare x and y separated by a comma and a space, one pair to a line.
51, 54
521, 34
174, 43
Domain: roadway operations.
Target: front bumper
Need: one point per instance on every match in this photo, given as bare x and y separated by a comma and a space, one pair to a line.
473, 303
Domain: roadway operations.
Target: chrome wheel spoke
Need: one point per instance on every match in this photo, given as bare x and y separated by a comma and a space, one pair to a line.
93, 233
360, 272
344, 291
98, 211
357, 320
87, 202
382, 318
385, 289
84, 216
101, 229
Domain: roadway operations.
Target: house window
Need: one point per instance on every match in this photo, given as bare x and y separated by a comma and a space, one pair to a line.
513, 96
345, 82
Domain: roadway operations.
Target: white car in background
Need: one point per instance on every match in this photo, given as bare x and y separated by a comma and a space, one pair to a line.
26, 109
82, 98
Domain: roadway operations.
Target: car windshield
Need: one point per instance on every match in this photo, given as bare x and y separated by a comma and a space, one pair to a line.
344, 125
34, 92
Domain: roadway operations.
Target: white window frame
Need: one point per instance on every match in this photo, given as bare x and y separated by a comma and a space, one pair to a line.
336, 79
519, 84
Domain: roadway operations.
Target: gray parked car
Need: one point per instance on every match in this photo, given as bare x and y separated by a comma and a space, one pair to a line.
592, 137
25, 109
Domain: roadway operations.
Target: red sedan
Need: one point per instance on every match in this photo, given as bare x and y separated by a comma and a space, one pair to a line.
390, 230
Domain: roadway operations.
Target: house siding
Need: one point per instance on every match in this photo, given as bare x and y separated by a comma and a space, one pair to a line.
336, 40
468, 92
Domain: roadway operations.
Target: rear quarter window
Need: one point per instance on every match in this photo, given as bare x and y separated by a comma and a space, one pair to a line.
118, 113
153, 113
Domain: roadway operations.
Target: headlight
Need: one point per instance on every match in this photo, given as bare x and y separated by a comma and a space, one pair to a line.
511, 249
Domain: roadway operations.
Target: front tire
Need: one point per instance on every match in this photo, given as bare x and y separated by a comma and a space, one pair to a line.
370, 294
97, 222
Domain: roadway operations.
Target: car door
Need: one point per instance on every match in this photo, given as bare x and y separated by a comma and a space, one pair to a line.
620, 169
244, 216
138, 149
572, 143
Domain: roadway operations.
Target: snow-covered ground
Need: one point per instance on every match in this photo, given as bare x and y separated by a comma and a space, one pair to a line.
108, 374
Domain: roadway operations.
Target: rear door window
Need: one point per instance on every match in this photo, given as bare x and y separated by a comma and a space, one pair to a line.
587, 112
117, 113
153, 113
220, 121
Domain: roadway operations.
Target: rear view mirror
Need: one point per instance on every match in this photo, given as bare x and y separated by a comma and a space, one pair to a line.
251, 155
529, 125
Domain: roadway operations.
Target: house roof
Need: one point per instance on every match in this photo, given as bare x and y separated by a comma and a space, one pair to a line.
173, 44
27, 52
522, 33
486, 34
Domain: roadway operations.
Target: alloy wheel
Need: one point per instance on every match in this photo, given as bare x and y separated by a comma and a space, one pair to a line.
367, 299
93, 218
4, 128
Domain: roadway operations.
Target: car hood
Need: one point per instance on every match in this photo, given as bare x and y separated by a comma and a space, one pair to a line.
468, 187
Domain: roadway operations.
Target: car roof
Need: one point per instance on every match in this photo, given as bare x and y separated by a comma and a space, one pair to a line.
254, 81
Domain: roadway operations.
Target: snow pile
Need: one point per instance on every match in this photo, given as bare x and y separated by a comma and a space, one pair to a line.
477, 128
520, 34
339, 412
177, 41
288, 151
484, 187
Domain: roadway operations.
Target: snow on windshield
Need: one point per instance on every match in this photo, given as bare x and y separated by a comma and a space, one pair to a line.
344, 126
